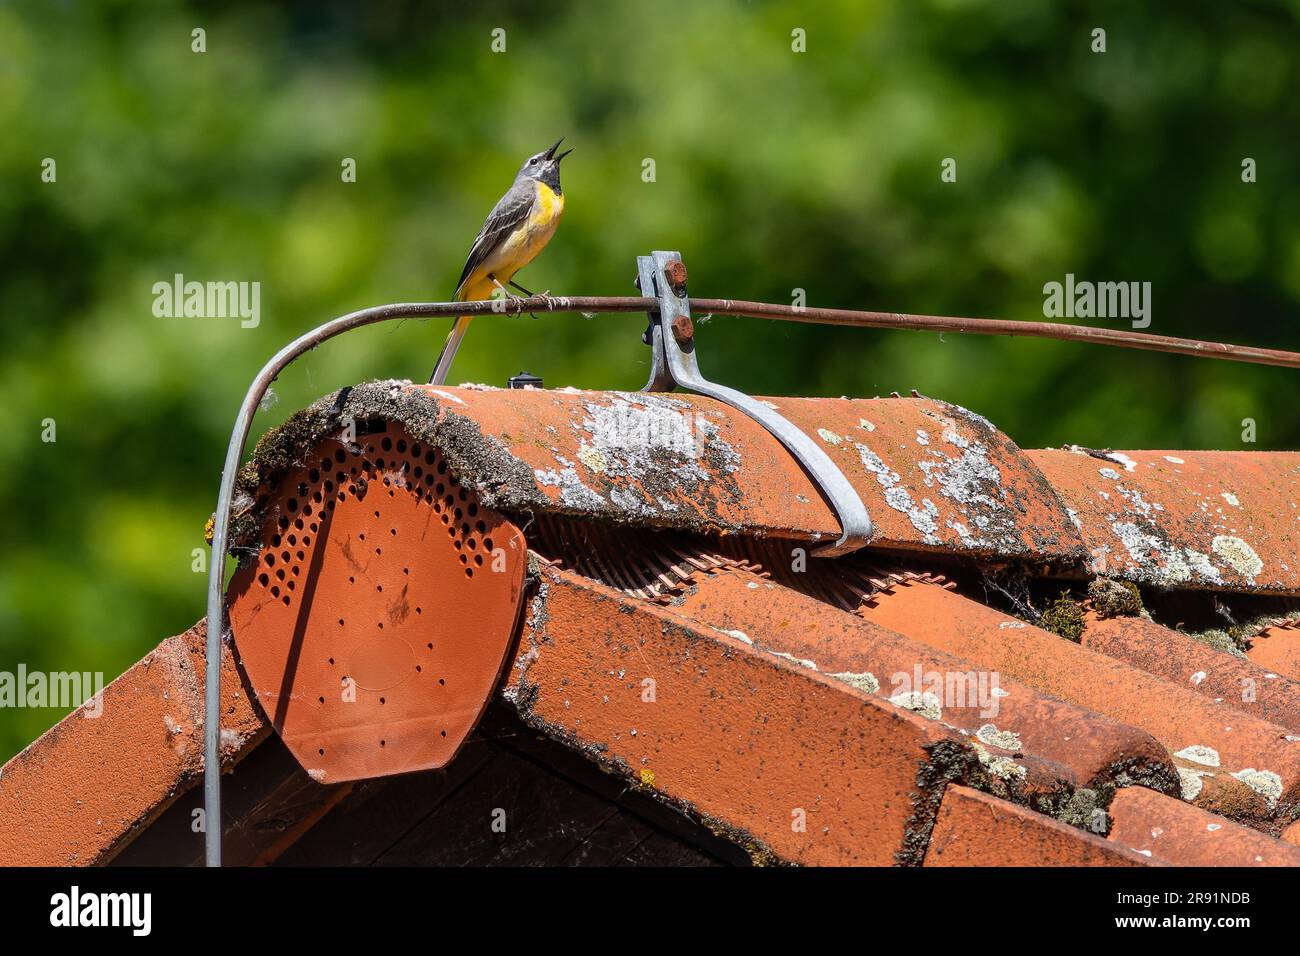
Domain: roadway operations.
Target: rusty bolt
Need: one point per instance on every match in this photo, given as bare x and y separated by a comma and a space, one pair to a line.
683, 329
675, 273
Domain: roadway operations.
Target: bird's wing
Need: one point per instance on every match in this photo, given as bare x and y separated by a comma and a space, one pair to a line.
506, 215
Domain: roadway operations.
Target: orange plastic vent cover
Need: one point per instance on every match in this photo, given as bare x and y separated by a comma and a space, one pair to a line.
375, 623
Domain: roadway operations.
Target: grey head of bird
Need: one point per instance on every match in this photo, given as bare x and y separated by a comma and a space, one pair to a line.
544, 166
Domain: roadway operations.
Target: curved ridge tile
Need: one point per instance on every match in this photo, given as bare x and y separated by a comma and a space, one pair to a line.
1190, 519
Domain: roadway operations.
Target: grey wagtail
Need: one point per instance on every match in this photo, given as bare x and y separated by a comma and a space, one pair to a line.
516, 230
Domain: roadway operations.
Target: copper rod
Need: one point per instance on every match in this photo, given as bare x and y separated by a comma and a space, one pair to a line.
1123, 338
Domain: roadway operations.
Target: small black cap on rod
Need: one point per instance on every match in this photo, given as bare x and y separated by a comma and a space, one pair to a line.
524, 380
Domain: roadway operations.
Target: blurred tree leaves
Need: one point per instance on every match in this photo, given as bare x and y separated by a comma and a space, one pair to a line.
774, 171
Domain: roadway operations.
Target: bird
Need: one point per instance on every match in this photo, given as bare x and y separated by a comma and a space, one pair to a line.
517, 229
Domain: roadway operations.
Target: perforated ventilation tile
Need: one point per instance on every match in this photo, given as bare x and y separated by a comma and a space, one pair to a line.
376, 620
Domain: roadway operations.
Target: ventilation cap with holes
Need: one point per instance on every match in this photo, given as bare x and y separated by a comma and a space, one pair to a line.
375, 622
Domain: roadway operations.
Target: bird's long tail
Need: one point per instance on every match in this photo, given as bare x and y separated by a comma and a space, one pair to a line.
457, 333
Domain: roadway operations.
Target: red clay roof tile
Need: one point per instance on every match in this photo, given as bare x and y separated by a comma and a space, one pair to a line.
936, 476
1236, 682
88, 784
789, 761
1204, 519
1014, 727
1185, 835
1204, 737
975, 829
931, 474
1277, 650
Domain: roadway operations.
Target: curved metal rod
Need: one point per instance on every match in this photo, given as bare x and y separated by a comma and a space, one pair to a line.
216, 622
515, 306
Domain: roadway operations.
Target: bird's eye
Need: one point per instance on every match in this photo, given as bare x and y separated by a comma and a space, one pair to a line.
533, 161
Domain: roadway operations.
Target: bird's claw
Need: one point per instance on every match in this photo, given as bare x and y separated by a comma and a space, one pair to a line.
514, 303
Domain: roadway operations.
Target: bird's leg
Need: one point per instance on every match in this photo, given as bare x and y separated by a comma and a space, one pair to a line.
511, 298
524, 291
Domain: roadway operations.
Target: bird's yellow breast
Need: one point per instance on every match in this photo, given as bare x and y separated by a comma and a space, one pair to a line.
522, 247
546, 212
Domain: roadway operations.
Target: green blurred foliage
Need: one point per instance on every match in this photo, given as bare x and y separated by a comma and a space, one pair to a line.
776, 171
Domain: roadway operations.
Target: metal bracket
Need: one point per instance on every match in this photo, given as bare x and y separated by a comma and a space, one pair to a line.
671, 337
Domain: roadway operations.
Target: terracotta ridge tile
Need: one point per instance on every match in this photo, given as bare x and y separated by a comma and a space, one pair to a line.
933, 475
1184, 519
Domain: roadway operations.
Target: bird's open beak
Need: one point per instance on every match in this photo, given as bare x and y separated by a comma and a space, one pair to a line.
550, 153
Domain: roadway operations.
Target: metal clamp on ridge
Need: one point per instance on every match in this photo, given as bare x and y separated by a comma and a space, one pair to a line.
671, 337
